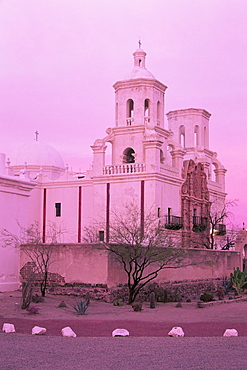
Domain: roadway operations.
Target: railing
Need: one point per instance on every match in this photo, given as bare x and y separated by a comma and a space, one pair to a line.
129, 121
199, 223
221, 229
173, 222
124, 169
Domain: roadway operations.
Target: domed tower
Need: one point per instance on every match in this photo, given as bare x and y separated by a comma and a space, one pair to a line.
139, 137
139, 98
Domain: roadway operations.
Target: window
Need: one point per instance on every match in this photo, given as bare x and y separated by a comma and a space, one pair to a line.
158, 212
58, 209
169, 210
101, 235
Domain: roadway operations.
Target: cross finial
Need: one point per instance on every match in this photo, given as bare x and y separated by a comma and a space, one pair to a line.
36, 135
140, 44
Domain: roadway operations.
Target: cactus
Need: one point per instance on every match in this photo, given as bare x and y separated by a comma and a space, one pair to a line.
152, 300
239, 279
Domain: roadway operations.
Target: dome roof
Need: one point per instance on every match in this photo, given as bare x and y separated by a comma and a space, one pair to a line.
36, 153
138, 72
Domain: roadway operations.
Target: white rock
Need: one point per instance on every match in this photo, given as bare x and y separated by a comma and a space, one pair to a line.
176, 332
37, 330
8, 328
68, 332
230, 333
120, 333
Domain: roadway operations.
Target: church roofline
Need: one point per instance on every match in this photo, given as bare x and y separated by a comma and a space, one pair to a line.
141, 82
191, 111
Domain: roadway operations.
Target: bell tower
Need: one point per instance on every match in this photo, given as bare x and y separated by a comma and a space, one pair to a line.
139, 99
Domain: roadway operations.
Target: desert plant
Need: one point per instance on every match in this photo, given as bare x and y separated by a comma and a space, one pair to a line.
142, 248
220, 292
26, 294
81, 306
37, 298
62, 304
119, 303
33, 310
152, 300
226, 284
165, 296
137, 307
238, 279
207, 297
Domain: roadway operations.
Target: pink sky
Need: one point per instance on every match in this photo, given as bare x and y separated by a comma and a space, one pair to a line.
60, 58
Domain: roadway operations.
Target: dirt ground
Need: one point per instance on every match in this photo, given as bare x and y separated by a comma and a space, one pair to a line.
102, 318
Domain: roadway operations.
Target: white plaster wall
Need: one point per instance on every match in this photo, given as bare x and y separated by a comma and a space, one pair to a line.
14, 209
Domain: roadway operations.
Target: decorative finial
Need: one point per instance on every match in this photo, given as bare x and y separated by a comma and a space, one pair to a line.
36, 135
140, 44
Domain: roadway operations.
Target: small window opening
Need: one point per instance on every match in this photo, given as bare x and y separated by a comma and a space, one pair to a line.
158, 212
101, 235
169, 214
128, 156
140, 62
58, 209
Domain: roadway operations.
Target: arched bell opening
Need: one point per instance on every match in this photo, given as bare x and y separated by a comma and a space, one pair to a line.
128, 155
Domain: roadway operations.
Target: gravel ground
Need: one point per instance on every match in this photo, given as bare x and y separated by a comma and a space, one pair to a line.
148, 346
29, 352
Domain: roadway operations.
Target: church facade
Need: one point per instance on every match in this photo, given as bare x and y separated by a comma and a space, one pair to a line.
162, 162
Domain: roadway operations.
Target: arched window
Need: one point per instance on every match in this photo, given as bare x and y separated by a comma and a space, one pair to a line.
196, 135
146, 108
130, 108
182, 136
128, 155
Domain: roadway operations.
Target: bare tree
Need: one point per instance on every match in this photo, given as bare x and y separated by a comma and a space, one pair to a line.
142, 255
29, 241
220, 214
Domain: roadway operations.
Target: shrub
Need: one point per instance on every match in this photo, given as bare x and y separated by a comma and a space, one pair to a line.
207, 297
137, 307
33, 310
119, 303
152, 300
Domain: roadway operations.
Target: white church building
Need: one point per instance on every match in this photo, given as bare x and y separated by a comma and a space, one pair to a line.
163, 161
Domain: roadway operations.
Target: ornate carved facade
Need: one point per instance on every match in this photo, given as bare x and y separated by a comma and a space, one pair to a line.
195, 205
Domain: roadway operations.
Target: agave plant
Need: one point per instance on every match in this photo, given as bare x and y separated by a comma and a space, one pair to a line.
81, 306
